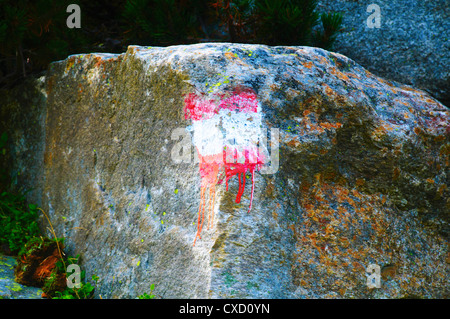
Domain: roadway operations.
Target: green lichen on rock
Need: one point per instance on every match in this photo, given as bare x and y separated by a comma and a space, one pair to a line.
9, 289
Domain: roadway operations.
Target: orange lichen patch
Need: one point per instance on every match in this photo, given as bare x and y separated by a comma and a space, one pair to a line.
308, 64
396, 173
385, 81
318, 210
324, 60
308, 124
327, 125
379, 132
428, 100
410, 89
230, 55
340, 75
275, 216
334, 141
70, 63
356, 194
98, 62
344, 232
328, 91
50, 84
80, 89
340, 191
48, 158
319, 179
48, 154
294, 143
356, 77
234, 57
442, 188
274, 87
369, 74
270, 189
401, 102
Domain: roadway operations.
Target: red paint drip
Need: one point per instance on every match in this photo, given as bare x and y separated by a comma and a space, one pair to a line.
209, 168
252, 161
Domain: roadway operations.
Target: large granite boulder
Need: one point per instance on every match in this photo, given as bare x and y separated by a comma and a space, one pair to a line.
293, 169
409, 43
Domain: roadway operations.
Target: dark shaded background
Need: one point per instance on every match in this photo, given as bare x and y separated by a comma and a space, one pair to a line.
34, 33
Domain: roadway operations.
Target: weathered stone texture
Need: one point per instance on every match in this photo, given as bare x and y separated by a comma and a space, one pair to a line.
362, 177
411, 45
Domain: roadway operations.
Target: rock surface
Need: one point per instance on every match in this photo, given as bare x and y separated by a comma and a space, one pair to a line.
9, 288
411, 45
361, 178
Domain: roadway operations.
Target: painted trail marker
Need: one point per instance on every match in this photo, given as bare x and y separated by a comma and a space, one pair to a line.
227, 133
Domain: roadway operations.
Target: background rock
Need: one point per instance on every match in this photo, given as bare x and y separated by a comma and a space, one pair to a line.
411, 46
21, 166
362, 177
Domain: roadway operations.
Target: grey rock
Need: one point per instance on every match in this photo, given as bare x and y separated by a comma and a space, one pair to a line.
363, 165
412, 45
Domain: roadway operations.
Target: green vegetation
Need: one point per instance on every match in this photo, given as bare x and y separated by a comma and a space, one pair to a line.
331, 23
18, 221
20, 235
34, 32
278, 22
161, 22
36, 264
45, 256
85, 291
38, 243
286, 21
3, 145
291, 22
148, 296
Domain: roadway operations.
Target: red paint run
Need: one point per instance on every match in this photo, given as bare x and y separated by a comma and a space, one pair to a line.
252, 161
232, 160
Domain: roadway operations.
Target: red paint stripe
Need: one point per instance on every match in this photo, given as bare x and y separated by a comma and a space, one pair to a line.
200, 108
